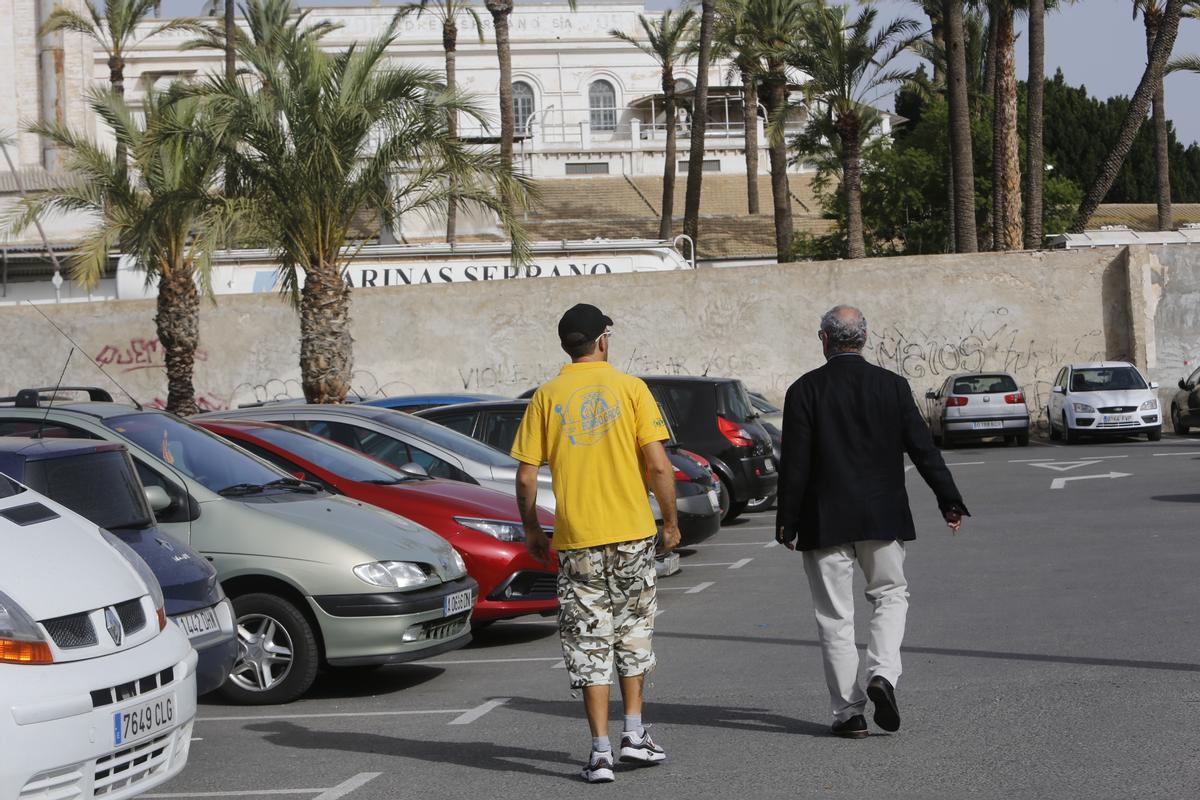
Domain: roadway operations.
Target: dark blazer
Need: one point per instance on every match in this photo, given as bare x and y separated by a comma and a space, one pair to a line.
846, 428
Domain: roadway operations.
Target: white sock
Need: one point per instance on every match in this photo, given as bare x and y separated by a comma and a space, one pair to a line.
633, 724
601, 744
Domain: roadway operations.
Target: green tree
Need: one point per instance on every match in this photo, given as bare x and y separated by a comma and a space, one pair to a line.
168, 212
730, 41
338, 135
669, 42
695, 178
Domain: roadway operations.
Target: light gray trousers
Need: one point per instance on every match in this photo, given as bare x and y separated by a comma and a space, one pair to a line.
831, 579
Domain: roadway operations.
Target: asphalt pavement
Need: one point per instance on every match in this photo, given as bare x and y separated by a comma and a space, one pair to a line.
1053, 651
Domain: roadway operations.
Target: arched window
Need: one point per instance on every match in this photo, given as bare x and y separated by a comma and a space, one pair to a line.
602, 100
524, 104
683, 85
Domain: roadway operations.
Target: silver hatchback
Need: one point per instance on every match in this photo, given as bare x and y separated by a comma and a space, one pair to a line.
978, 405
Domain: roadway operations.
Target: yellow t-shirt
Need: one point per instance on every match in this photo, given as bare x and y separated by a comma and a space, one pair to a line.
590, 424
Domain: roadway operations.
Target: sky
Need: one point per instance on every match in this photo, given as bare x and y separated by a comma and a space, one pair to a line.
1096, 43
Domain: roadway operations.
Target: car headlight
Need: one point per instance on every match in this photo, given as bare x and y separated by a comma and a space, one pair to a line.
20, 640
459, 564
144, 572
392, 574
499, 529
1150, 405
1083, 408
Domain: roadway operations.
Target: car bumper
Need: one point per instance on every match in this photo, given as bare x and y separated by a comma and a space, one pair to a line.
217, 650
754, 477
1009, 426
528, 591
1145, 423
59, 741
365, 628
697, 518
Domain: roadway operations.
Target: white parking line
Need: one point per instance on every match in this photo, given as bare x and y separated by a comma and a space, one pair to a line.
1189, 453
346, 787
478, 711
966, 464
1028, 460
699, 587
405, 713
718, 544
459, 662
770, 544
332, 793
740, 563
728, 564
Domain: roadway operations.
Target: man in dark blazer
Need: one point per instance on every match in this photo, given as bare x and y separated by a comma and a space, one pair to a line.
846, 428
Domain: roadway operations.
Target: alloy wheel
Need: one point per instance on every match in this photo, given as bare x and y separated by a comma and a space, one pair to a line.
264, 653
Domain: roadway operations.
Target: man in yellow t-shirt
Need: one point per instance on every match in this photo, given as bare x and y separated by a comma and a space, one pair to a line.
601, 432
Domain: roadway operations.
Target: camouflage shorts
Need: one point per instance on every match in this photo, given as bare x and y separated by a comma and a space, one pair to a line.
606, 611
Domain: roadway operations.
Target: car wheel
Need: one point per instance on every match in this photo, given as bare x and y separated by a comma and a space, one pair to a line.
760, 504
1177, 422
733, 508
1154, 435
723, 498
1055, 433
1069, 436
277, 652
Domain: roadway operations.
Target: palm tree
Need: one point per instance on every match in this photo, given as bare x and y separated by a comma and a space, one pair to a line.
849, 65
1006, 165
114, 29
448, 12
961, 156
668, 41
339, 135
1035, 124
168, 212
1139, 104
1152, 12
691, 200
729, 41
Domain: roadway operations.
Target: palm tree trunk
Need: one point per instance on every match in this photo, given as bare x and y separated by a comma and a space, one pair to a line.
989, 62
1139, 104
965, 236
1034, 156
937, 32
450, 45
230, 47
997, 156
1010, 150
775, 97
177, 323
1158, 115
116, 77
951, 204
500, 11
326, 347
852, 185
668, 193
750, 136
691, 203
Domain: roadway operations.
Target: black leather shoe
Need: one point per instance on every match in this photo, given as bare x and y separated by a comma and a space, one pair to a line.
853, 728
887, 714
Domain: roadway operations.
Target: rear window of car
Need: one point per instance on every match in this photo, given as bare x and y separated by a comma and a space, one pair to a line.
448, 439
100, 487
1106, 379
733, 402
342, 461
984, 384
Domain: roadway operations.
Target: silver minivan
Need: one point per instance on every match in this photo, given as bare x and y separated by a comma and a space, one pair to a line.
978, 405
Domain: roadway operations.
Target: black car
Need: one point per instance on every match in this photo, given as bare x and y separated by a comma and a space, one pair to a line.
1185, 405
697, 491
714, 417
97, 480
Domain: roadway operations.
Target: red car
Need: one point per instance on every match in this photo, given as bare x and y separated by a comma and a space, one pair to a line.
482, 524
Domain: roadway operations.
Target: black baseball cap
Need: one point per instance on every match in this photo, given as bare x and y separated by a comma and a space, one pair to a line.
582, 323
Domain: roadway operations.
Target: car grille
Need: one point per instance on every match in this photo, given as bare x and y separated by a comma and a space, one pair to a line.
444, 628
124, 691
527, 585
1118, 409
75, 630
133, 616
1133, 423
129, 766
62, 783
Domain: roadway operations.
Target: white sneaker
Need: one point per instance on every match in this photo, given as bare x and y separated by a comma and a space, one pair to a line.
599, 768
641, 749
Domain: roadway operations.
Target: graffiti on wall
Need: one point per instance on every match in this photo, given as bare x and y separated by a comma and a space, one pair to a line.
138, 353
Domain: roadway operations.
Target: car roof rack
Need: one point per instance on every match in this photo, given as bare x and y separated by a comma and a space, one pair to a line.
31, 398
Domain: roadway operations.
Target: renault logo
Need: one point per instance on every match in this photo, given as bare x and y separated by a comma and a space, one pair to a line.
113, 624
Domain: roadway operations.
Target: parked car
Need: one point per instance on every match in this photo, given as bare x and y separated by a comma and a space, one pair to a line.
714, 417
1185, 405
483, 525
1109, 398
413, 403
97, 481
408, 443
770, 416
496, 422
97, 690
315, 579
977, 405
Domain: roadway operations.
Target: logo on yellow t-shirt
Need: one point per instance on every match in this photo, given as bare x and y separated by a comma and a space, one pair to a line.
589, 414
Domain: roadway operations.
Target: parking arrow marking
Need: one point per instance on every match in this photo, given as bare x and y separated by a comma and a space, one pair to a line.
1063, 466
1061, 483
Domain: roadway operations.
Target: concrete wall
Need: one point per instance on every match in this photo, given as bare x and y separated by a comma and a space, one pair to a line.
1027, 313
1171, 315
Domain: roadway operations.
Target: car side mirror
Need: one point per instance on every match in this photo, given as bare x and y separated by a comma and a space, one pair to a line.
1153, 384
158, 498
1058, 390
413, 468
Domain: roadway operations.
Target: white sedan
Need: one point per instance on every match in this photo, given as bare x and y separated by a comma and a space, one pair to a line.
1104, 398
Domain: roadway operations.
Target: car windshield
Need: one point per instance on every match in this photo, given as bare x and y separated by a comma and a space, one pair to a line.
984, 384
441, 436
341, 461
1106, 379
100, 487
733, 402
200, 455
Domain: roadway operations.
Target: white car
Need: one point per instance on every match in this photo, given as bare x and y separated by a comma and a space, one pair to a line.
97, 691
1105, 398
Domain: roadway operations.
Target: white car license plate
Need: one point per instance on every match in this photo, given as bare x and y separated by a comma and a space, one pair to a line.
142, 720
988, 425
714, 499
457, 603
198, 623
769, 465
1118, 419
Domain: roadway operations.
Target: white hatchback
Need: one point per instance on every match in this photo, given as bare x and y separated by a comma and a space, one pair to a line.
1105, 398
97, 691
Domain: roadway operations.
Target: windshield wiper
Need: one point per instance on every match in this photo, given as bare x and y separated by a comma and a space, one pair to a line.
293, 483
388, 481
240, 489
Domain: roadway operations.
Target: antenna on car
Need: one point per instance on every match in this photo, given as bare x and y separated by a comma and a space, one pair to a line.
66, 336
42, 425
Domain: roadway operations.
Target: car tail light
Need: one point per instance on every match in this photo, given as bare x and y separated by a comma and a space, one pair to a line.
679, 476
736, 434
955, 401
1014, 399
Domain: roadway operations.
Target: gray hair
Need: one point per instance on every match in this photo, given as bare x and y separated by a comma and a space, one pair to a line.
845, 328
